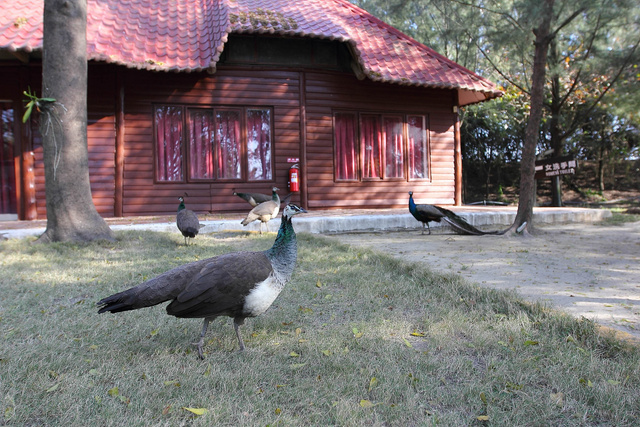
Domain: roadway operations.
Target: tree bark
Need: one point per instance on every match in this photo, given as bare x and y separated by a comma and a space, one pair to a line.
524, 217
71, 214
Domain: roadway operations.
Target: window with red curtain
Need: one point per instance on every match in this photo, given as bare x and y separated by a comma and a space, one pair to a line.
259, 144
417, 147
387, 143
8, 204
217, 146
393, 146
169, 135
200, 144
345, 140
228, 144
371, 137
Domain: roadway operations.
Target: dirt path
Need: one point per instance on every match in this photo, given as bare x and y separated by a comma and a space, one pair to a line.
586, 270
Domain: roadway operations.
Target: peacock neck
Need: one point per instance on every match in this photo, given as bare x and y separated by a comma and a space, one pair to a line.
412, 205
284, 252
181, 206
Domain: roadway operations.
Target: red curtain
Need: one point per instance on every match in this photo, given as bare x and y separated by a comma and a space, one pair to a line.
417, 148
169, 135
200, 144
394, 147
345, 137
228, 144
7, 165
259, 144
371, 141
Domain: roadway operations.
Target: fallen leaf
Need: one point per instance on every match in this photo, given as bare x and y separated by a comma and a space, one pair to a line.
418, 334
326, 352
530, 342
197, 411
366, 403
483, 417
113, 392
294, 354
613, 382
318, 284
585, 382
278, 411
166, 410
372, 383
53, 388
297, 365
557, 398
174, 383
407, 343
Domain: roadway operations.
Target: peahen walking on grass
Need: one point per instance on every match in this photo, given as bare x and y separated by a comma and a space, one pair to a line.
237, 284
187, 221
264, 212
427, 213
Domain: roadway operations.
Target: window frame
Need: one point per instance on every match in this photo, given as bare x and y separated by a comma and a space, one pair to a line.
381, 117
185, 149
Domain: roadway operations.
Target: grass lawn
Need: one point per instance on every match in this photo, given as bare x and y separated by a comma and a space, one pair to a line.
356, 338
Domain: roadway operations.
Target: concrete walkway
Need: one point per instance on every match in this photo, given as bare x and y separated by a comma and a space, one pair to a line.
331, 221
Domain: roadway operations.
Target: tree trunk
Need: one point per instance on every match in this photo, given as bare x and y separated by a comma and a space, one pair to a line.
554, 126
71, 214
601, 168
524, 216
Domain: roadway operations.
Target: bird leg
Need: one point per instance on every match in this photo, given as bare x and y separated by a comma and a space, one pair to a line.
205, 326
237, 322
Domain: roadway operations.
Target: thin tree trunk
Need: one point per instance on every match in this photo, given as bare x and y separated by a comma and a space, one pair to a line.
532, 132
71, 214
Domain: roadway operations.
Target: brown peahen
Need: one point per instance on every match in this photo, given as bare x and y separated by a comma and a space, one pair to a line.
187, 221
237, 284
264, 212
426, 213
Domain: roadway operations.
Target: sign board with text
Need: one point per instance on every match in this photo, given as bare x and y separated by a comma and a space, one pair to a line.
557, 166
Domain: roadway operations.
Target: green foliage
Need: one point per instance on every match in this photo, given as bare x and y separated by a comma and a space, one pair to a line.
34, 101
357, 338
592, 67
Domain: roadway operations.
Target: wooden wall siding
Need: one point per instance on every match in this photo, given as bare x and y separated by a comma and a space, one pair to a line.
326, 92
277, 89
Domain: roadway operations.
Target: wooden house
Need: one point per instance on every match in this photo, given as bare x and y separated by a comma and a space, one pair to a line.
208, 96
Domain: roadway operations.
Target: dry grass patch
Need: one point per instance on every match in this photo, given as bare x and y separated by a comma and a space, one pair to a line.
357, 338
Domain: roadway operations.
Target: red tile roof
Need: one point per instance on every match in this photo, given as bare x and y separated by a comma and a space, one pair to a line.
189, 35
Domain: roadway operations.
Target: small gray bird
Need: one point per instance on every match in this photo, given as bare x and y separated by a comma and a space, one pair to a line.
187, 221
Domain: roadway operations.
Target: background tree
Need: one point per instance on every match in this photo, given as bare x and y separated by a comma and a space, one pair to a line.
592, 48
71, 214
